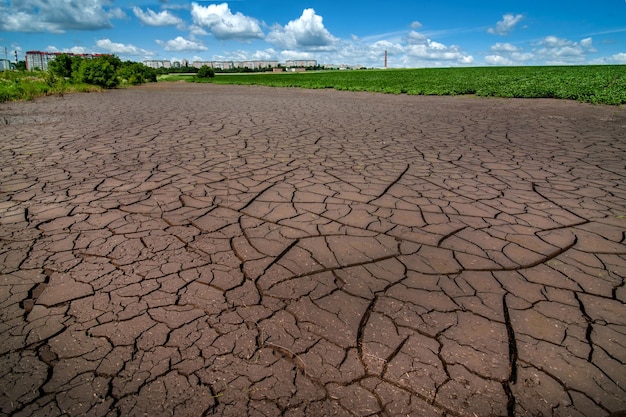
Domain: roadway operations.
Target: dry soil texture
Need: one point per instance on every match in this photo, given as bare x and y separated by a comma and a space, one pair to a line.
191, 250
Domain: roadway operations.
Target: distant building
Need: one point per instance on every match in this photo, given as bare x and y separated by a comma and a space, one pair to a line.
298, 63
229, 65
158, 63
38, 60
256, 64
341, 66
223, 65
5, 65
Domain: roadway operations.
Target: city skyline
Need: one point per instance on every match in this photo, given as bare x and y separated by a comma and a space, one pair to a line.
414, 34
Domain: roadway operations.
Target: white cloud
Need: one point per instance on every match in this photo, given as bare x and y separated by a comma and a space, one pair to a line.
307, 33
72, 50
422, 48
416, 38
497, 60
120, 48
359, 53
181, 44
288, 54
586, 43
57, 16
416, 25
506, 25
619, 58
521, 57
503, 47
196, 30
152, 18
116, 13
382, 46
411, 50
223, 24
554, 50
507, 54
266, 54
244, 55
554, 42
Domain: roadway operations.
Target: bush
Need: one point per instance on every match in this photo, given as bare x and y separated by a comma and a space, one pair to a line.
97, 71
61, 66
206, 72
136, 73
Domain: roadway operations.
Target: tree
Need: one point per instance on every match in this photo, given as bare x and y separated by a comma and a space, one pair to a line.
99, 71
136, 73
61, 66
206, 72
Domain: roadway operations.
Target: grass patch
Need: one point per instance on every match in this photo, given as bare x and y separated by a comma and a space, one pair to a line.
597, 84
25, 85
176, 77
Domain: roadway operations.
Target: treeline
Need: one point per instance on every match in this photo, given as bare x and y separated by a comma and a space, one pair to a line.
107, 71
237, 70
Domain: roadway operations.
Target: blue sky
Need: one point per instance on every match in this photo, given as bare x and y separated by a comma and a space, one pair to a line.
427, 33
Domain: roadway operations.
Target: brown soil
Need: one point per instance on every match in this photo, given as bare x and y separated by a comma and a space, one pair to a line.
188, 250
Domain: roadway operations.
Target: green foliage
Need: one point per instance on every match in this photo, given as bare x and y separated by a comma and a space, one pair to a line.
56, 83
605, 84
136, 73
97, 71
68, 73
26, 85
61, 66
206, 72
180, 70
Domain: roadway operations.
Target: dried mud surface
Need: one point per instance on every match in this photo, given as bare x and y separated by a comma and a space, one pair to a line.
191, 250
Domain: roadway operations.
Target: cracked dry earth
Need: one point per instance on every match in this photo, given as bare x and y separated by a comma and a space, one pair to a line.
192, 250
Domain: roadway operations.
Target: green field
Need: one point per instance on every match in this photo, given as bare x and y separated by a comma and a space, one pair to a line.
598, 84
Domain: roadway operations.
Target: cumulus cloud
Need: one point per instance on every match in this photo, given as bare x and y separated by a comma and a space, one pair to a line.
416, 38
507, 54
498, 60
619, 58
554, 42
73, 50
414, 49
392, 48
506, 25
419, 46
152, 18
120, 48
181, 44
57, 16
307, 33
268, 54
503, 47
223, 24
555, 50
286, 55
